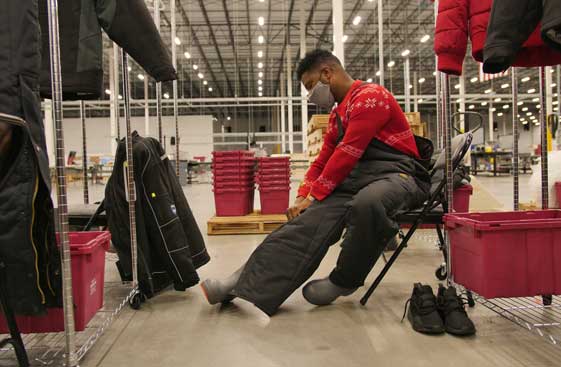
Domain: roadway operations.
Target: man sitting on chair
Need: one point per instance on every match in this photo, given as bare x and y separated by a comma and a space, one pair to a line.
370, 167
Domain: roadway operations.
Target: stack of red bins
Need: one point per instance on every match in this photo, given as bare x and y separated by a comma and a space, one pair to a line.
273, 177
234, 182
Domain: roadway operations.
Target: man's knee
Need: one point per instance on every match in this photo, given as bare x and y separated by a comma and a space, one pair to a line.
367, 205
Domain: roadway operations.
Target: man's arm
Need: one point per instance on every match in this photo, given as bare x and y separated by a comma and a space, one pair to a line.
369, 112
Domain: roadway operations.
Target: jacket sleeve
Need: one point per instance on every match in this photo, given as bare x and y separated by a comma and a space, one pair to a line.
451, 35
129, 24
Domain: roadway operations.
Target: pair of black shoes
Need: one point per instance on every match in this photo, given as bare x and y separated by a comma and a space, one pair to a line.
430, 314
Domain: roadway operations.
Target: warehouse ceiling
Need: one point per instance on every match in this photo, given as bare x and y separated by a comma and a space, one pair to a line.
224, 45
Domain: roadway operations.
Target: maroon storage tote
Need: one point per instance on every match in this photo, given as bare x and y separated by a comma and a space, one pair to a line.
237, 164
274, 200
233, 202
239, 171
87, 251
234, 178
461, 198
273, 171
508, 254
558, 193
232, 154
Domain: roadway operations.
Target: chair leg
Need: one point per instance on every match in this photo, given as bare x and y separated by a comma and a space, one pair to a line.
386, 268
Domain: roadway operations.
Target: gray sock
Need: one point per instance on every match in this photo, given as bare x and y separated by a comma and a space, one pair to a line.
218, 291
323, 292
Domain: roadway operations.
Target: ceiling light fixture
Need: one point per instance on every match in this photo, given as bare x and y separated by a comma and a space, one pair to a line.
422, 80
187, 55
369, 80
260, 82
210, 89
260, 54
405, 53
506, 107
201, 76
525, 109
525, 79
345, 38
471, 106
391, 64
261, 21
261, 39
141, 76
357, 20
166, 95
260, 65
504, 86
195, 67
474, 79
498, 99
205, 82
260, 74
532, 90
177, 41
487, 91
425, 38
108, 92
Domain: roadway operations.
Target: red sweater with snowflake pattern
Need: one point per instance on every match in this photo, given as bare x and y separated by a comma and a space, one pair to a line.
368, 111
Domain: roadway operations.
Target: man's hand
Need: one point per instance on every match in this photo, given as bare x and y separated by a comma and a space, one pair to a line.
299, 206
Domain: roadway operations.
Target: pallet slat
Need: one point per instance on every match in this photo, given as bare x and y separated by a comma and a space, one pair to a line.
255, 223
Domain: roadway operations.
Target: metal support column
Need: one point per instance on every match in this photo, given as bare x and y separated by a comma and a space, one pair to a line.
548, 91
175, 96
558, 73
338, 24
438, 82
515, 140
84, 153
146, 108
158, 84
290, 105
415, 92
56, 85
381, 41
115, 92
49, 130
303, 91
283, 113
491, 127
113, 111
462, 106
406, 83
543, 128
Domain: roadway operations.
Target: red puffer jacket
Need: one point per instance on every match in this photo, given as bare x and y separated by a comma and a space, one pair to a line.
459, 18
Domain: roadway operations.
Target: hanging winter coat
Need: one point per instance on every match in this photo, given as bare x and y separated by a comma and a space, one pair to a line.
127, 22
510, 25
459, 20
170, 244
27, 238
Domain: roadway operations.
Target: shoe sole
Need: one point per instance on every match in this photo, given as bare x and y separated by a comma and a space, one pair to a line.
457, 332
422, 330
212, 299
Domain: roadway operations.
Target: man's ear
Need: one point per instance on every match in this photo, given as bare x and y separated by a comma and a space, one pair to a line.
326, 74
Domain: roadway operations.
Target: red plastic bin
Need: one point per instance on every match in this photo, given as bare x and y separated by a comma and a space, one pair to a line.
461, 198
508, 254
558, 193
279, 183
273, 171
234, 178
232, 154
234, 184
274, 200
240, 171
87, 251
233, 202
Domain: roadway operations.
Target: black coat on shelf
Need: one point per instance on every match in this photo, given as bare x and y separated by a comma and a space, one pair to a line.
170, 244
127, 22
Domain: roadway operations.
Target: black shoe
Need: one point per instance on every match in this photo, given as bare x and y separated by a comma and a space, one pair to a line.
453, 312
423, 312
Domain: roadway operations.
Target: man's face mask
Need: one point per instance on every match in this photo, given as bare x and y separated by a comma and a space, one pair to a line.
321, 96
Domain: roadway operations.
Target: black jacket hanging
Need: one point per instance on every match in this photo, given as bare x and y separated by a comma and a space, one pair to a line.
512, 22
170, 244
27, 238
127, 22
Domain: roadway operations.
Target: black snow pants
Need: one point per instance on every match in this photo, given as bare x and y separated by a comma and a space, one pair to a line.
384, 183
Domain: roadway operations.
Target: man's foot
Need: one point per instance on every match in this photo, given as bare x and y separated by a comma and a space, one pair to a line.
423, 312
453, 312
323, 292
219, 291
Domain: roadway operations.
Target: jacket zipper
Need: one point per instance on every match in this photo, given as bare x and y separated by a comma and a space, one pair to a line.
48, 265
35, 191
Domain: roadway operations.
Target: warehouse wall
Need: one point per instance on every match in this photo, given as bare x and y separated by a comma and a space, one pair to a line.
195, 135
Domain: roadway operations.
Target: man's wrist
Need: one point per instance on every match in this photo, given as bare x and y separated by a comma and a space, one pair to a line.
310, 198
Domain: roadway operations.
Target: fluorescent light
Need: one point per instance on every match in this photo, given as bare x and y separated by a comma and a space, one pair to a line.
434, 73
108, 92
260, 89
474, 79
345, 38
532, 90
195, 67
498, 99
555, 103
420, 100
205, 82
120, 96
499, 114
506, 107
457, 86
405, 53
471, 106
166, 95
553, 85
378, 73
493, 109
520, 103
391, 64
422, 80
487, 91
260, 94
484, 103
260, 54
261, 21
260, 82
260, 74
524, 122
129, 68
525, 79
369, 80
260, 65
187, 55
504, 86
201, 76
459, 100
538, 107
210, 89
524, 109
141, 76
177, 41
228, 118
425, 38
528, 113
261, 39
537, 99
357, 20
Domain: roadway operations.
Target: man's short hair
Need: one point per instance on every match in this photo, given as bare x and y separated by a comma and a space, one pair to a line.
315, 58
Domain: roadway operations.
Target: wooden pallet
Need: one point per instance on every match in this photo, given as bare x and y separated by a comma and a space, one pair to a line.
255, 223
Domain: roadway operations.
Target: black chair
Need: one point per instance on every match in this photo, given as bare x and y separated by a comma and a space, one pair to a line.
434, 209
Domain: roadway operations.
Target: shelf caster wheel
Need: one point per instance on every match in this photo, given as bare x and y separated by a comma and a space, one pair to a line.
547, 300
441, 273
136, 301
471, 301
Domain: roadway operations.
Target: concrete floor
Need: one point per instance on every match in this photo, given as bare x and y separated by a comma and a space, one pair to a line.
181, 329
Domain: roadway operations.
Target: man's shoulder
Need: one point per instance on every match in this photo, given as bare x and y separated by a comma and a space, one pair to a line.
369, 90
